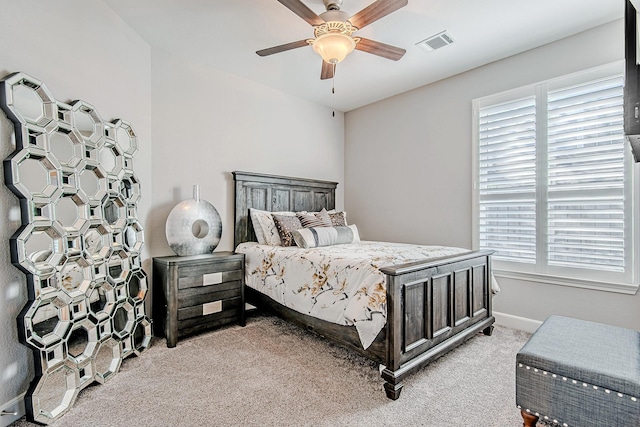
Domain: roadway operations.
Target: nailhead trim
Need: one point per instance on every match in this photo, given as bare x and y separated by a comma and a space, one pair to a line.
565, 379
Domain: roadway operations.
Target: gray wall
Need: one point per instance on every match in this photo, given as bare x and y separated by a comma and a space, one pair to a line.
207, 123
408, 168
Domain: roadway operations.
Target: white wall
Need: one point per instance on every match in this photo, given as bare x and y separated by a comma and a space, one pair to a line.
208, 123
408, 168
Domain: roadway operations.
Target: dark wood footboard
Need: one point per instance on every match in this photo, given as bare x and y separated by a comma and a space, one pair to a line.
432, 307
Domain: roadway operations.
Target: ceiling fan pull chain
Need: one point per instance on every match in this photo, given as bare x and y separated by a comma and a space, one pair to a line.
333, 91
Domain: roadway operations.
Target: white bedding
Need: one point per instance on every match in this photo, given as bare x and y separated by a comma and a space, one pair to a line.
340, 284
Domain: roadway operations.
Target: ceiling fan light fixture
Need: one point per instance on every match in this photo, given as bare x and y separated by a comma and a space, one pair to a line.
333, 40
334, 47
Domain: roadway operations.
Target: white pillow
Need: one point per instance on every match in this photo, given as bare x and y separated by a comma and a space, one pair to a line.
268, 228
257, 228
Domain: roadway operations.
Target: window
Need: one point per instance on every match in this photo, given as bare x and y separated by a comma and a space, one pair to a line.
554, 181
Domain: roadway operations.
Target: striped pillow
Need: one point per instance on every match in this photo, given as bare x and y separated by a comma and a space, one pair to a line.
325, 236
317, 219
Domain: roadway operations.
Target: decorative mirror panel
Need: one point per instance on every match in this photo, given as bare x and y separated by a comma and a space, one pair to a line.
79, 243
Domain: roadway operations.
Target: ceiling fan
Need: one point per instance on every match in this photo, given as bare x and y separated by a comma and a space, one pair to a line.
333, 30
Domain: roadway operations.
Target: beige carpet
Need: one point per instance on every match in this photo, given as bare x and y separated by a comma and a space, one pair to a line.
271, 373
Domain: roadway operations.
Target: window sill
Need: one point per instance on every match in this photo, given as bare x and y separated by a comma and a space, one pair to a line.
620, 288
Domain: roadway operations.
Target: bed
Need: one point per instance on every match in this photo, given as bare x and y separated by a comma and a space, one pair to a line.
432, 305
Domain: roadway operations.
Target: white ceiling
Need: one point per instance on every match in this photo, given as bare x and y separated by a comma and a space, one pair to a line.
225, 34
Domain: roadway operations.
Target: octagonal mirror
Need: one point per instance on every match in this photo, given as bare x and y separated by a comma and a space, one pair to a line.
126, 137
28, 103
110, 160
75, 275
101, 300
108, 359
77, 342
66, 147
41, 247
47, 321
130, 189
33, 175
133, 237
137, 286
72, 212
141, 335
27, 100
87, 122
115, 212
56, 391
118, 267
82, 341
93, 183
123, 319
97, 242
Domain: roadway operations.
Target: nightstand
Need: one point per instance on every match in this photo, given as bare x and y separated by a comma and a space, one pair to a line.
197, 293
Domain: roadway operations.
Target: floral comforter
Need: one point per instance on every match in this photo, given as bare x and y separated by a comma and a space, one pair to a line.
340, 284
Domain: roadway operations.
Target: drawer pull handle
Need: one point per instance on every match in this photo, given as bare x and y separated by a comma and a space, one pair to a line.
212, 307
211, 279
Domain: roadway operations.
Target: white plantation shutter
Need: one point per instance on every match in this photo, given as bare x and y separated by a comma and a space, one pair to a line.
586, 180
554, 180
507, 181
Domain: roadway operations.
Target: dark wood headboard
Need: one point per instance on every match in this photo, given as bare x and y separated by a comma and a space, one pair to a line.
276, 193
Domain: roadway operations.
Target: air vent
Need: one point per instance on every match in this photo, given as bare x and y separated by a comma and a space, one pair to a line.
436, 42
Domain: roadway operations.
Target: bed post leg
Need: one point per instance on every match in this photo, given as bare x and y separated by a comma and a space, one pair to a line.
393, 390
488, 330
530, 420
392, 384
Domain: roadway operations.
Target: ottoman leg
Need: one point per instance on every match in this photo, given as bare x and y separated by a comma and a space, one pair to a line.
529, 420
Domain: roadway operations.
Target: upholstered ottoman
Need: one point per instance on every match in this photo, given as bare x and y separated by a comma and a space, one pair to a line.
575, 373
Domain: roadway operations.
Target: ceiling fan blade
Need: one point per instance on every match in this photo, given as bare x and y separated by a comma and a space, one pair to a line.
297, 7
282, 48
327, 70
376, 10
380, 49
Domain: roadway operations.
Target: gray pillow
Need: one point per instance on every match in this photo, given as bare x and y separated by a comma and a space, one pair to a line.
325, 236
285, 224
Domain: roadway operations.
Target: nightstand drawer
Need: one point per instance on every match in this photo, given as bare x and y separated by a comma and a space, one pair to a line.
207, 277
209, 310
197, 296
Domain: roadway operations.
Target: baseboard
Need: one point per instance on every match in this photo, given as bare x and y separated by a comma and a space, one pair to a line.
12, 411
516, 322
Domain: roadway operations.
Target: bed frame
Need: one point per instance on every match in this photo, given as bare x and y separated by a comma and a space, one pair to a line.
432, 306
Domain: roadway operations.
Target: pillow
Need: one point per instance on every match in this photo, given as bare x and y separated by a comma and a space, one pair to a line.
338, 219
317, 219
325, 236
257, 228
267, 226
286, 224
